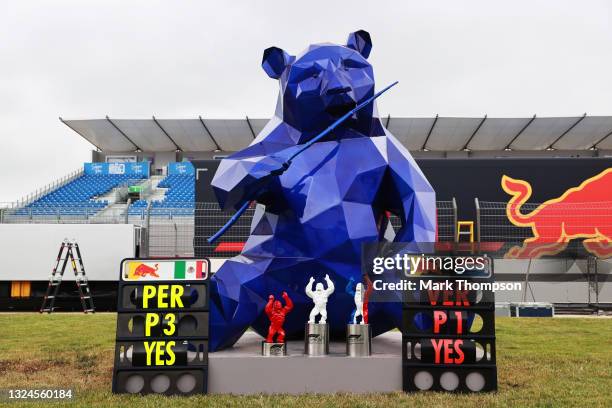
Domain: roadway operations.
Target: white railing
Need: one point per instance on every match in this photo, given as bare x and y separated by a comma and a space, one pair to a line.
30, 198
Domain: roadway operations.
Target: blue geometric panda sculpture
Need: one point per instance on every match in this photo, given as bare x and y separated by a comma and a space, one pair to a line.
318, 211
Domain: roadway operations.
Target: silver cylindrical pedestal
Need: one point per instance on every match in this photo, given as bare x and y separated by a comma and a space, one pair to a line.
358, 340
273, 349
316, 341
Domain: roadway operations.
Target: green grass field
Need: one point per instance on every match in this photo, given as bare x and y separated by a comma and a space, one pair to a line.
541, 362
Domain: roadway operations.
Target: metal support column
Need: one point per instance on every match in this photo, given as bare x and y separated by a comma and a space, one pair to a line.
477, 204
147, 233
455, 236
127, 210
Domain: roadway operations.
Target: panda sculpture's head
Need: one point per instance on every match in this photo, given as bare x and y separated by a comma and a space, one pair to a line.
323, 83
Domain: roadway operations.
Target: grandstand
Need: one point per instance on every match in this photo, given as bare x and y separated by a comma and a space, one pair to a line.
90, 193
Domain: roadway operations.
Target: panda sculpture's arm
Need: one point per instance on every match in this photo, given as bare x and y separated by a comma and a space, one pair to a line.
411, 196
247, 174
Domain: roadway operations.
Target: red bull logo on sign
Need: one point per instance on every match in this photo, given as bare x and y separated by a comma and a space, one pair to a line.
144, 270
188, 269
583, 212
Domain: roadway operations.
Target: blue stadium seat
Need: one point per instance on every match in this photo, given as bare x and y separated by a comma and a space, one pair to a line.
138, 207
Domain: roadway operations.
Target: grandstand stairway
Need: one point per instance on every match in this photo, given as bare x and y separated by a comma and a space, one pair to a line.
159, 193
137, 208
116, 210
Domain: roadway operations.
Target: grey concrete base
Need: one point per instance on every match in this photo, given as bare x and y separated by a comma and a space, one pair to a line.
243, 370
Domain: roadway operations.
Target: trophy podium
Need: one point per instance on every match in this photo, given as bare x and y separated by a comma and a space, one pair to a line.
311, 369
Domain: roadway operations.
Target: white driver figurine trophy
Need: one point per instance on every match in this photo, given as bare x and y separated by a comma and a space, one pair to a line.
316, 342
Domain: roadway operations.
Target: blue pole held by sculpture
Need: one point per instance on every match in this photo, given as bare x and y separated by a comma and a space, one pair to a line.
229, 223
321, 135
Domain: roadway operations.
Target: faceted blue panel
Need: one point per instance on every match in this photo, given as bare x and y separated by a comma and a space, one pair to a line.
330, 199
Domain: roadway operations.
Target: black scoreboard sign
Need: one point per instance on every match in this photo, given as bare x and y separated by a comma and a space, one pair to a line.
162, 327
448, 332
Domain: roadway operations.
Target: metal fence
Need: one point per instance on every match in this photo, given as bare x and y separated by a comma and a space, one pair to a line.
182, 231
209, 218
447, 220
78, 213
446, 215
492, 224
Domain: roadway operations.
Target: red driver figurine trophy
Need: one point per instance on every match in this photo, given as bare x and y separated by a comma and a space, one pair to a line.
276, 313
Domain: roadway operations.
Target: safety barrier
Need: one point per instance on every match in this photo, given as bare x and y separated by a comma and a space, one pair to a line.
182, 231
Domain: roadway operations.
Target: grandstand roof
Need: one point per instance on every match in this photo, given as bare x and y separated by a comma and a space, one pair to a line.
417, 134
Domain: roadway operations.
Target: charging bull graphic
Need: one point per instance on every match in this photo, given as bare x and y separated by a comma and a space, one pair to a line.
583, 212
144, 270
322, 204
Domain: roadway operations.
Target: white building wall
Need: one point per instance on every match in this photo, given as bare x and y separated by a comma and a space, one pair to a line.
29, 251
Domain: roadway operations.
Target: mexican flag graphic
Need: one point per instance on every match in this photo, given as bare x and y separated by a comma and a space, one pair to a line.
164, 269
190, 270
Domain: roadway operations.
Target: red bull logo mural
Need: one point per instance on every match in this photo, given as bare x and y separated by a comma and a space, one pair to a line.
582, 212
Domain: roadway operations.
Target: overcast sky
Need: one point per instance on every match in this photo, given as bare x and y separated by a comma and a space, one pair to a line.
180, 59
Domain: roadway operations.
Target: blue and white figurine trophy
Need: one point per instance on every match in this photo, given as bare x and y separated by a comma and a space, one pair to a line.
358, 334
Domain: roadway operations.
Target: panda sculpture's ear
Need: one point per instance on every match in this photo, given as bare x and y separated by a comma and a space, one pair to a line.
275, 61
361, 42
